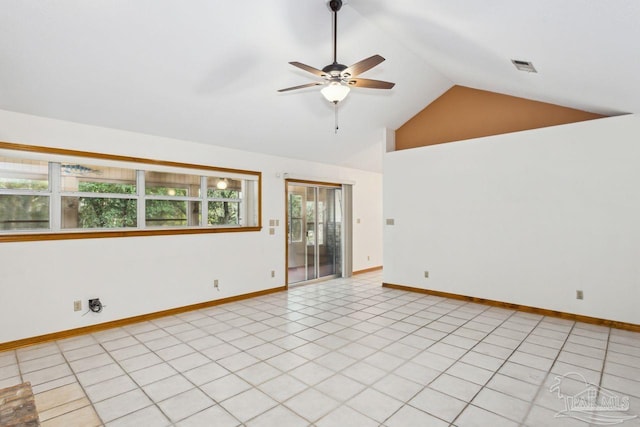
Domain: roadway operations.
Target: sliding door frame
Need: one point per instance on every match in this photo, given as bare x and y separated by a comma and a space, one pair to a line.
346, 229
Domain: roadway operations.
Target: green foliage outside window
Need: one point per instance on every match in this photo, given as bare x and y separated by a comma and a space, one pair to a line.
223, 212
27, 212
97, 212
24, 184
24, 212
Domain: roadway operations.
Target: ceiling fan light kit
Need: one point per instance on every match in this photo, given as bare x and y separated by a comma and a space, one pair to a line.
337, 78
335, 92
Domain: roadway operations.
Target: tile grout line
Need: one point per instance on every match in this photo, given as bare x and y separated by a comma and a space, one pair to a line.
495, 372
555, 360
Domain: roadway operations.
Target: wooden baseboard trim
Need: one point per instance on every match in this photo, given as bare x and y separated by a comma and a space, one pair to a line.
525, 308
12, 345
367, 270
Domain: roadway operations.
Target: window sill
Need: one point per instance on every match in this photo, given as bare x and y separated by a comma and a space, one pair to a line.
71, 235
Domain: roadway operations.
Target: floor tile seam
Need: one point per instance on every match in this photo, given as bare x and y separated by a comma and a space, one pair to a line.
311, 423
407, 403
544, 327
141, 389
443, 372
573, 353
637, 355
604, 361
590, 337
15, 355
9, 353
588, 345
345, 404
625, 363
121, 348
634, 368
20, 367
101, 342
139, 386
542, 387
545, 357
411, 333
77, 381
40, 412
157, 405
626, 344
495, 372
172, 424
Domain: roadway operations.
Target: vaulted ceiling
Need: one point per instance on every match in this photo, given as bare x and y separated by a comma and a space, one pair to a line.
208, 70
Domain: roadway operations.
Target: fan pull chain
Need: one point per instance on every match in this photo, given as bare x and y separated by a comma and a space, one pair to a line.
335, 107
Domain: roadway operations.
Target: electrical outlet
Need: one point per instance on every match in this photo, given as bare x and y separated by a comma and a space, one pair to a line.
77, 305
426, 274
273, 273
272, 231
579, 295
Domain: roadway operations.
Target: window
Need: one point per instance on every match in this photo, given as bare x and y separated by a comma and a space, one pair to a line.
24, 194
224, 199
295, 218
172, 199
97, 197
68, 193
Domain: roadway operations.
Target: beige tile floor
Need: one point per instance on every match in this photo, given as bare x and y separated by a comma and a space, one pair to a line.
345, 352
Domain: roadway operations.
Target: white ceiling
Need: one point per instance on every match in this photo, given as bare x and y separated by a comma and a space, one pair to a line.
208, 70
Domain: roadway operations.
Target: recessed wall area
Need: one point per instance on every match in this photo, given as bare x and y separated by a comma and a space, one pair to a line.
464, 113
526, 218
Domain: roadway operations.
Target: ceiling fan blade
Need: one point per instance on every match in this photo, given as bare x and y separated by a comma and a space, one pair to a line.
364, 65
371, 84
309, 68
301, 86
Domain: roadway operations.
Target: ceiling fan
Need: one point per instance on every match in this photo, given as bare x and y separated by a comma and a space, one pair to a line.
337, 78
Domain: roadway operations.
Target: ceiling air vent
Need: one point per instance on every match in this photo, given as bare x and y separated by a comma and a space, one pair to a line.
524, 66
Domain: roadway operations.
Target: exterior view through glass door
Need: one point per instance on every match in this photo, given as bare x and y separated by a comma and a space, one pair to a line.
314, 225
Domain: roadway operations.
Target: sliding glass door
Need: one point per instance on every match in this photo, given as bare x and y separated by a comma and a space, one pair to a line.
314, 224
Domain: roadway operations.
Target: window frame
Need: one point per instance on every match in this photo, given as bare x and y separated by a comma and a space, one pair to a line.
58, 155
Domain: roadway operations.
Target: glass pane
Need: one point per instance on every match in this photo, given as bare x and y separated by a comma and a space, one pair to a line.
167, 213
329, 243
295, 230
28, 212
97, 212
224, 188
295, 205
310, 216
250, 199
97, 179
224, 213
20, 174
171, 184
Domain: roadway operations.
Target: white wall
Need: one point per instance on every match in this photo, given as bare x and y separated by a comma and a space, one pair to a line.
136, 275
526, 218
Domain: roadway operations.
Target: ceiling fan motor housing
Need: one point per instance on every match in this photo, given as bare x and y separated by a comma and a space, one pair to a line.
335, 5
334, 70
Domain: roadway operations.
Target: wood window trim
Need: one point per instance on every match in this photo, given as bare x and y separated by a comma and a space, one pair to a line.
68, 235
